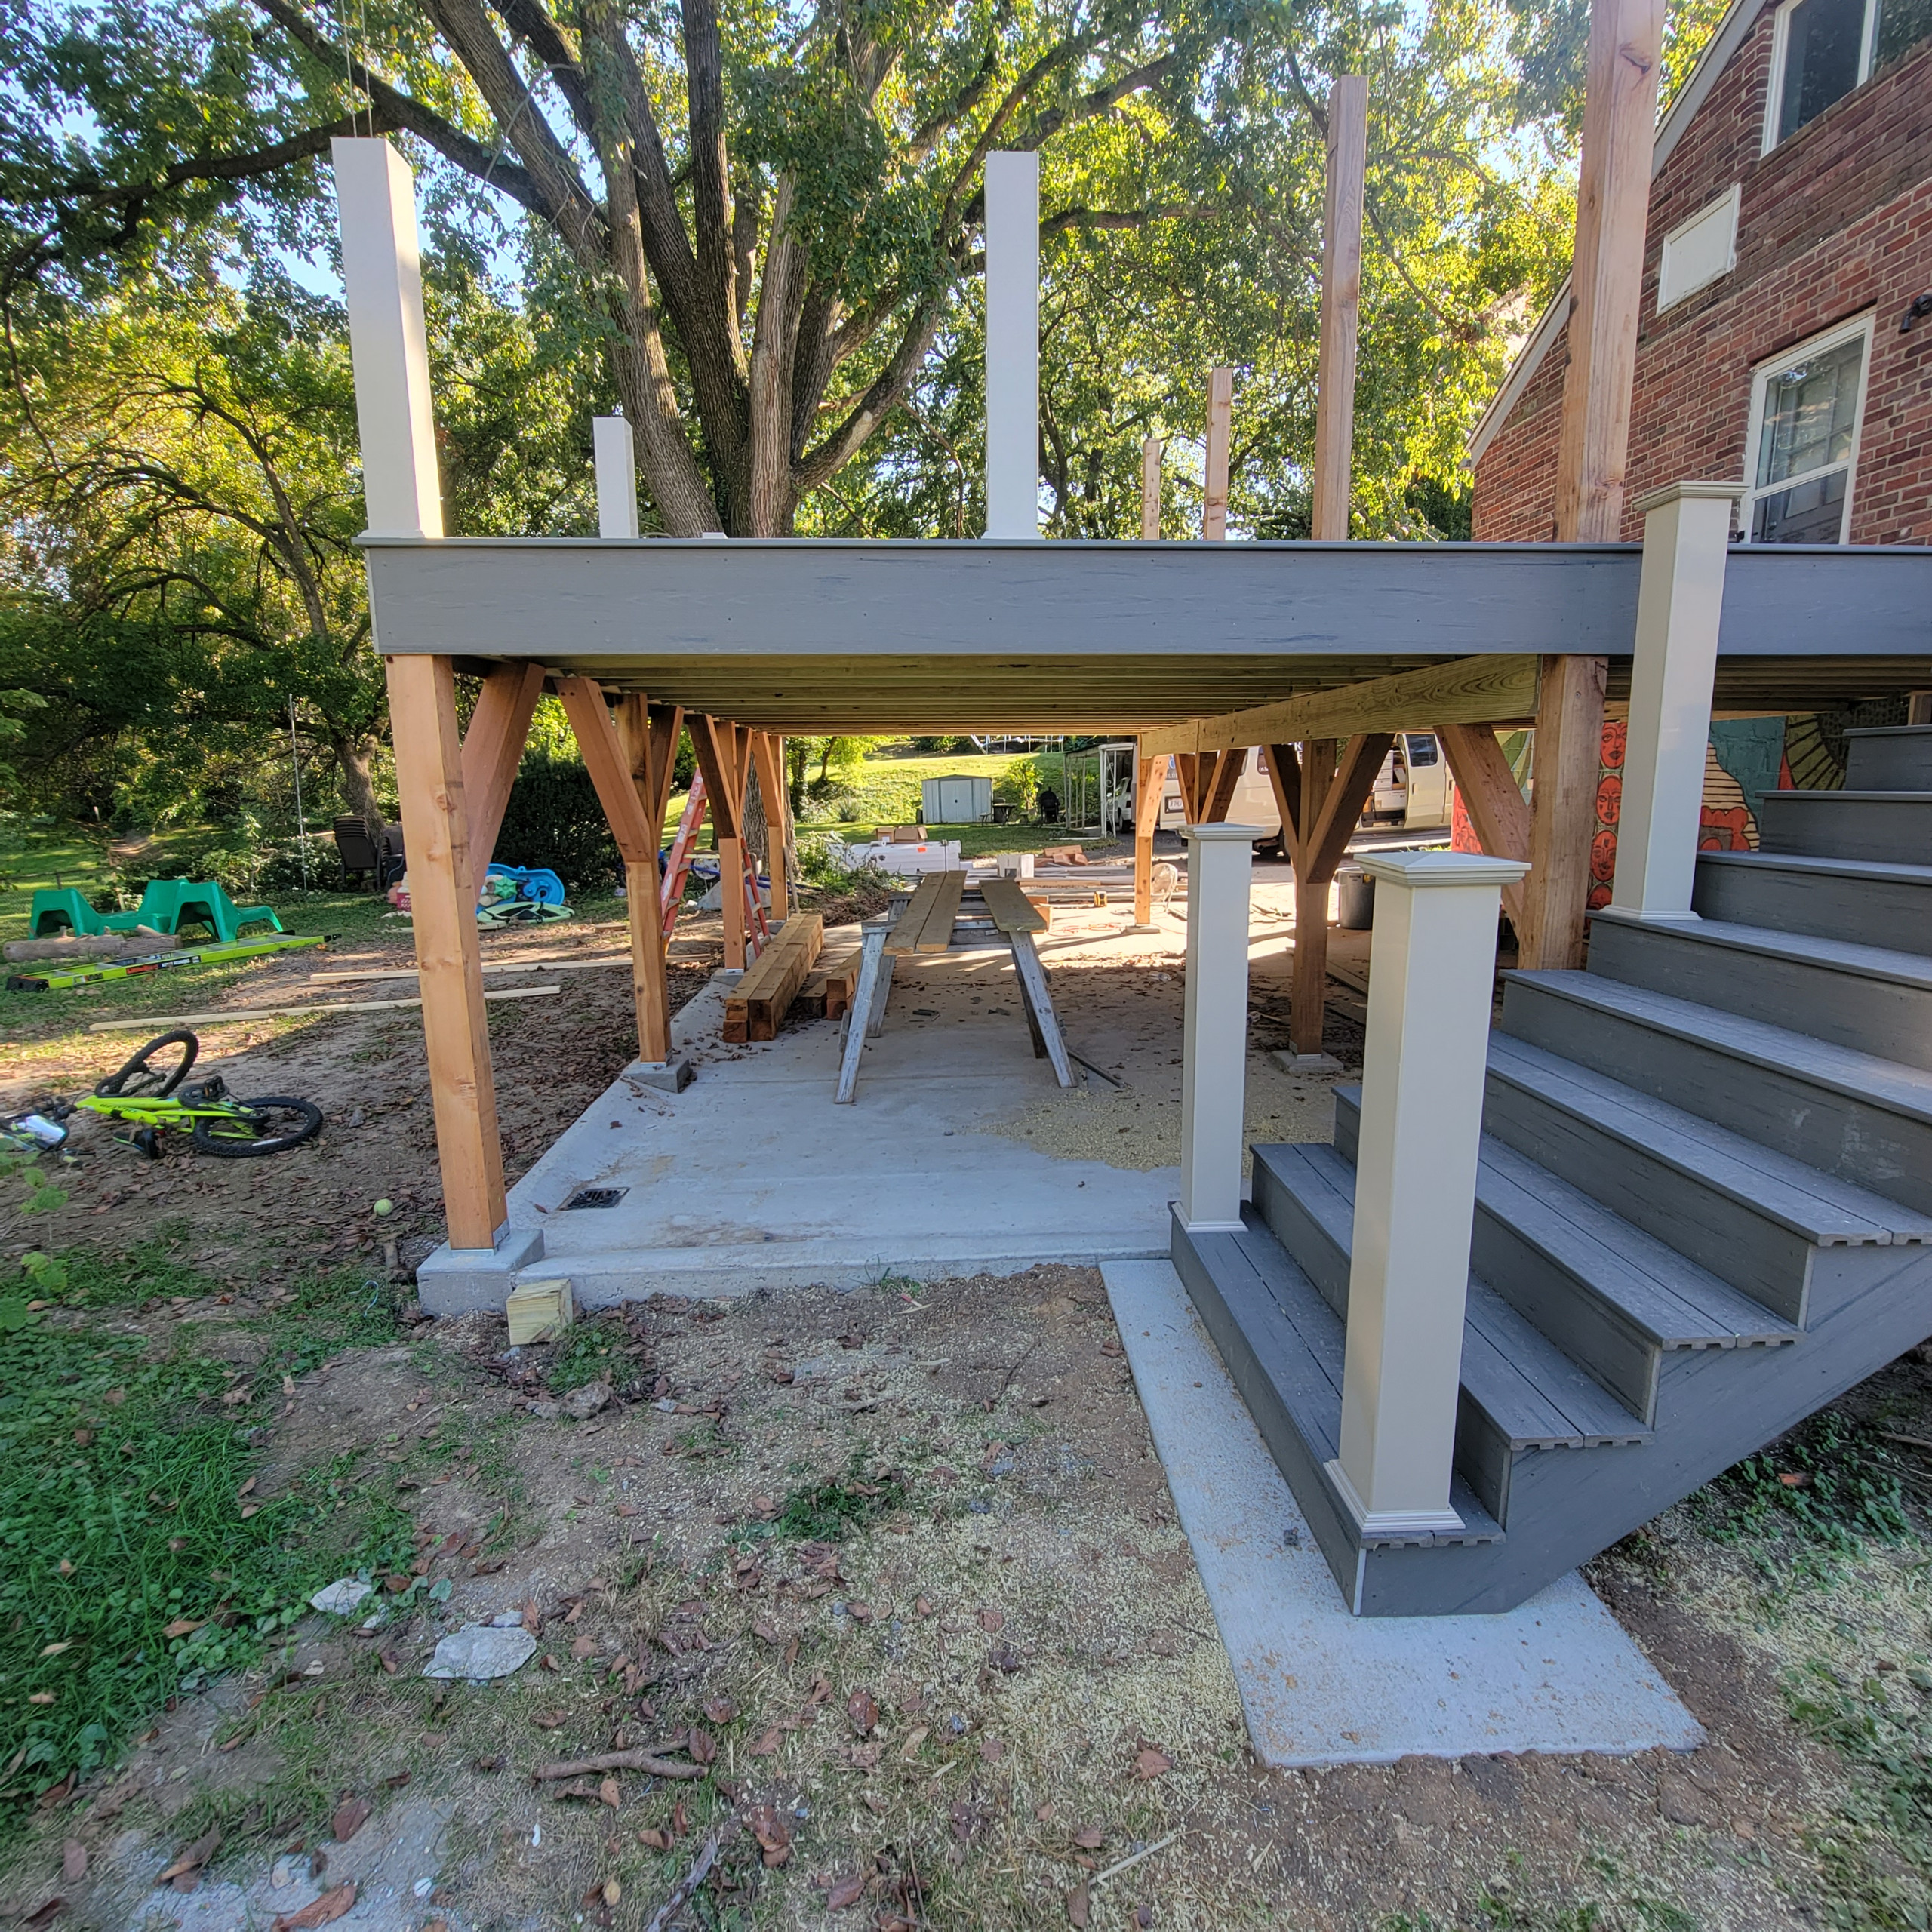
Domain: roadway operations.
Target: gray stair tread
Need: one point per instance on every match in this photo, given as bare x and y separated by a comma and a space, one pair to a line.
1670, 1299
1533, 1392
1859, 1076
1878, 872
1870, 962
1822, 1209
1299, 1342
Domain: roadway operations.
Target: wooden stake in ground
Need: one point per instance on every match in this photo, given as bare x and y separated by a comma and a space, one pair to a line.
1341, 305
1619, 123
1151, 451
1221, 420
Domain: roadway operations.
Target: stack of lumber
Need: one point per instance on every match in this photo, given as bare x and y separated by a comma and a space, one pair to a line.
755, 1008
827, 992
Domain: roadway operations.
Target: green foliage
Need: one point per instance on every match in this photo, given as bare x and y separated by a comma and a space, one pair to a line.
1830, 1486
553, 819
829, 1510
131, 1565
589, 1352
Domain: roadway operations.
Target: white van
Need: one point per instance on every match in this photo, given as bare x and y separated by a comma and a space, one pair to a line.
1411, 791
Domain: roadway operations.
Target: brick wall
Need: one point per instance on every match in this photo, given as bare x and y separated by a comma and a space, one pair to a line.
1833, 222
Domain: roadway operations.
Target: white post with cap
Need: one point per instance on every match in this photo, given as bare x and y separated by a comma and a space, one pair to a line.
1431, 974
616, 455
1013, 345
1213, 1092
389, 343
1680, 600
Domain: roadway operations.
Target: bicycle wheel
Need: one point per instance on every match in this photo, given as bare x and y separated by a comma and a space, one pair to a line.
270, 1125
141, 1077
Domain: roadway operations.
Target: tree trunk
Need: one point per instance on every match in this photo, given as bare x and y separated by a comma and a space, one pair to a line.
358, 789
757, 827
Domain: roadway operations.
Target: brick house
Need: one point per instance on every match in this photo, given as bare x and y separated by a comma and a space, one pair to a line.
1786, 329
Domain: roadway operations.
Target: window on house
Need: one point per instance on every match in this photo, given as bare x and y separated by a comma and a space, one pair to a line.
1804, 415
1824, 48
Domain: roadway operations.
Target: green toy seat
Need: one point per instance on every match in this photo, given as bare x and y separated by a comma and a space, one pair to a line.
168, 904
66, 909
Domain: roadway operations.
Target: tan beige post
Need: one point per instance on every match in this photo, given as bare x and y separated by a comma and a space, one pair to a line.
1220, 422
449, 957
1341, 305
1151, 452
1619, 123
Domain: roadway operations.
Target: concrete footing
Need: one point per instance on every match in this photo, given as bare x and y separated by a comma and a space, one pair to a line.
455, 1281
664, 1076
1320, 1686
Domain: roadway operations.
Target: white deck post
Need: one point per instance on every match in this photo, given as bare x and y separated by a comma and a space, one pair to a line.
1432, 968
617, 476
1013, 345
382, 273
1687, 538
1214, 1090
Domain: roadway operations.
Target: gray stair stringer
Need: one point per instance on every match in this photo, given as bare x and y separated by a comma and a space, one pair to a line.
1715, 1406
1858, 1117
1846, 899
1889, 758
1888, 826
1615, 1299
1873, 999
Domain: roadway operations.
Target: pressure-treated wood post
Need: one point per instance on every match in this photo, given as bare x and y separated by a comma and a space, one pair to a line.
1687, 535
492, 748
1151, 452
1606, 283
1341, 305
1150, 775
1221, 426
1220, 859
1308, 979
768, 751
449, 957
1493, 799
616, 456
1013, 345
1431, 970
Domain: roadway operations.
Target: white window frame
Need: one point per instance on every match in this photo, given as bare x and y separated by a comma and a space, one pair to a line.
1780, 46
1861, 329
1728, 202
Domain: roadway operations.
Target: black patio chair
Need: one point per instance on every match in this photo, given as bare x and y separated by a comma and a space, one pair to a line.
356, 850
391, 860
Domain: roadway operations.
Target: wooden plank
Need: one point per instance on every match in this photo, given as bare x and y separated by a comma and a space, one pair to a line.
1495, 806
442, 897
1341, 810
1341, 302
1308, 996
1220, 420
1151, 451
1150, 779
755, 1008
909, 931
1475, 690
1012, 910
1221, 793
234, 1016
840, 972
492, 748
1569, 753
767, 751
1284, 777
1038, 1002
544, 965
937, 935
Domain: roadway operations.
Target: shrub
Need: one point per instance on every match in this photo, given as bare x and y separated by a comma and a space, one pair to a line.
554, 819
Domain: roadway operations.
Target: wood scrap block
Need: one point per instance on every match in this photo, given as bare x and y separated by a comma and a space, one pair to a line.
840, 971
540, 1311
755, 1008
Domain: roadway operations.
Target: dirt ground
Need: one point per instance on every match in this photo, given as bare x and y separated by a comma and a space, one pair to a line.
887, 1586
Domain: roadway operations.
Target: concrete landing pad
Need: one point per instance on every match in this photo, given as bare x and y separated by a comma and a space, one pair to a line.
1321, 1687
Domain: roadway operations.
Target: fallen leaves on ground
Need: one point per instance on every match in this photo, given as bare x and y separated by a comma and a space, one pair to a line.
73, 1861
1076, 1905
846, 1891
185, 1873
862, 1707
323, 1911
1149, 1763
350, 1817
773, 1836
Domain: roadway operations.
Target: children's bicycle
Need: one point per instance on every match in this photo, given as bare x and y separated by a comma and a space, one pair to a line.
152, 1095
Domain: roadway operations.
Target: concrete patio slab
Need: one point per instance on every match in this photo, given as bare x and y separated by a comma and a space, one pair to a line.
1321, 1687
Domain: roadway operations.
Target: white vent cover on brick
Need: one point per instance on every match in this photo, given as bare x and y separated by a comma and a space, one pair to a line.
1697, 251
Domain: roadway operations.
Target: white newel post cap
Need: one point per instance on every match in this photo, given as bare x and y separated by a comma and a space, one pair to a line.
1223, 834
1686, 492
1423, 869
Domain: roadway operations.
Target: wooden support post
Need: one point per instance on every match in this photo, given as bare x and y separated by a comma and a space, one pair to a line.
492, 748
1341, 305
1220, 421
611, 773
1221, 793
720, 747
1149, 780
768, 751
1151, 453
449, 957
1307, 986
1432, 969
1619, 123
1493, 800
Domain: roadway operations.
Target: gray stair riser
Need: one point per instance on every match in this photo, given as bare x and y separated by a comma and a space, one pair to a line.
1866, 911
1872, 1016
1837, 825
1842, 1134
1756, 1255
1297, 1455
1715, 1406
1326, 1265
1893, 760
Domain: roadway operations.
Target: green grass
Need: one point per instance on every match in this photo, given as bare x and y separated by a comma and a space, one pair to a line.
1829, 1487
122, 1471
830, 1511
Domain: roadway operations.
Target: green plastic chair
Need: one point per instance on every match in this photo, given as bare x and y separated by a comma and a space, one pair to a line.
67, 909
168, 904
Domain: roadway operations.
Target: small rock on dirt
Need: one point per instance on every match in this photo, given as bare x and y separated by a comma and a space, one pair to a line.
583, 1402
478, 1651
342, 1596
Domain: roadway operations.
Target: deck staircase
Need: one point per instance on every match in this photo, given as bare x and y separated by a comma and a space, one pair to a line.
1704, 1208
